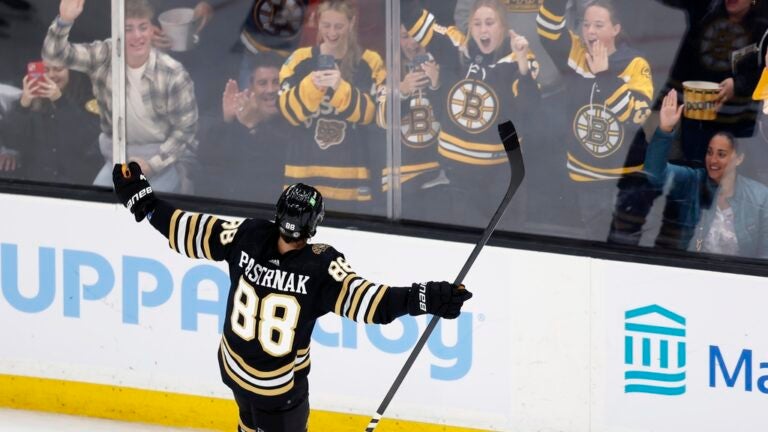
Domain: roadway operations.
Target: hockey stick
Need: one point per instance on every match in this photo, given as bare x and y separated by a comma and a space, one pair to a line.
512, 148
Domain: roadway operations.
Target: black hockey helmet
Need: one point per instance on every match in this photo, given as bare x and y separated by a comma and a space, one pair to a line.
299, 211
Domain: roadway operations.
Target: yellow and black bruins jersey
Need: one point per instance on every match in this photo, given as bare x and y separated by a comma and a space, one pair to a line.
607, 110
478, 91
331, 150
274, 25
419, 131
274, 299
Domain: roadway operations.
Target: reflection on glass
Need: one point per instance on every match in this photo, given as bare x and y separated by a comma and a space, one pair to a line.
49, 117
236, 99
485, 78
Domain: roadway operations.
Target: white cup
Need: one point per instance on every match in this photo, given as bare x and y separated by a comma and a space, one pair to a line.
179, 25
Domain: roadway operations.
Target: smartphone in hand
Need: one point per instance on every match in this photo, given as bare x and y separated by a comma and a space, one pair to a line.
326, 62
35, 71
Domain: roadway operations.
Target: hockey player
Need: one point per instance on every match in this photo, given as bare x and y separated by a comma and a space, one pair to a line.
280, 285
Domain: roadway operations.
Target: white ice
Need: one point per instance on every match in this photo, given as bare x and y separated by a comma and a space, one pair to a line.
12, 420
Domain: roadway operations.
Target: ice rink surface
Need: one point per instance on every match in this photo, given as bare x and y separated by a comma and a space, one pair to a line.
33, 421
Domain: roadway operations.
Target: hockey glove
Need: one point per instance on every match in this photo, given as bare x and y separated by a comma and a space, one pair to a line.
443, 299
133, 189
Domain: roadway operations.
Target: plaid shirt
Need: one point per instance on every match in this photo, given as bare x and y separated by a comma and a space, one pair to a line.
171, 95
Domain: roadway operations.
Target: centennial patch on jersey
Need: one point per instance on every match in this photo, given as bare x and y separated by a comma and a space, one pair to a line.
718, 40
281, 18
473, 105
319, 248
598, 130
329, 132
418, 127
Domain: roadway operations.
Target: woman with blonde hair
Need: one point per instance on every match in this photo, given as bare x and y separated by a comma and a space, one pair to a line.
328, 93
484, 75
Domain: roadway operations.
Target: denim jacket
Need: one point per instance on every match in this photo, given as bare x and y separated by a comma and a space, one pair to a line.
696, 195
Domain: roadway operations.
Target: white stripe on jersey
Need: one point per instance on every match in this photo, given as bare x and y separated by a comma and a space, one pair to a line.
263, 383
475, 154
350, 294
366, 300
423, 31
540, 20
199, 239
590, 173
618, 107
181, 238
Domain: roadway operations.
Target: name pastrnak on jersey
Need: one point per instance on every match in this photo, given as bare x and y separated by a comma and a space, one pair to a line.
274, 300
607, 109
479, 91
331, 146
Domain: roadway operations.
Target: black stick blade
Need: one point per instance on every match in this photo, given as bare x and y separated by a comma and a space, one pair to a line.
508, 136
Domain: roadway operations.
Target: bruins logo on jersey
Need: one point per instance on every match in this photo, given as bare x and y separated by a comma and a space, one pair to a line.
719, 39
319, 248
598, 130
473, 105
419, 127
329, 132
281, 18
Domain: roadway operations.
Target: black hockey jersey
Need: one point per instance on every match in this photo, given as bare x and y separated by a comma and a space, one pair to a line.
606, 110
274, 300
419, 131
331, 146
478, 91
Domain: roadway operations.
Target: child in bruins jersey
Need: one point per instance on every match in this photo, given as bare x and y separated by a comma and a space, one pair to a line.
419, 171
328, 93
280, 285
609, 92
484, 77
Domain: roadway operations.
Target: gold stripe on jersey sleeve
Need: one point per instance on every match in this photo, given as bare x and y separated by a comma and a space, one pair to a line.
342, 97
378, 70
623, 170
302, 352
338, 173
251, 388
191, 229
303, 365
284, 97
554, 18
289, 67
469, 160
416, 28
294, 105
547, 34
628, 110
495, 148
251, 370
207, 238
356, 299
415, 168
343, 293
172, 232
617, 94
375, 303
343, 194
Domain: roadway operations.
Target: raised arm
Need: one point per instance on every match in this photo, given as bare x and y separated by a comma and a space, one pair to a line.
191, 234
552, 28
656, 166
58, 49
